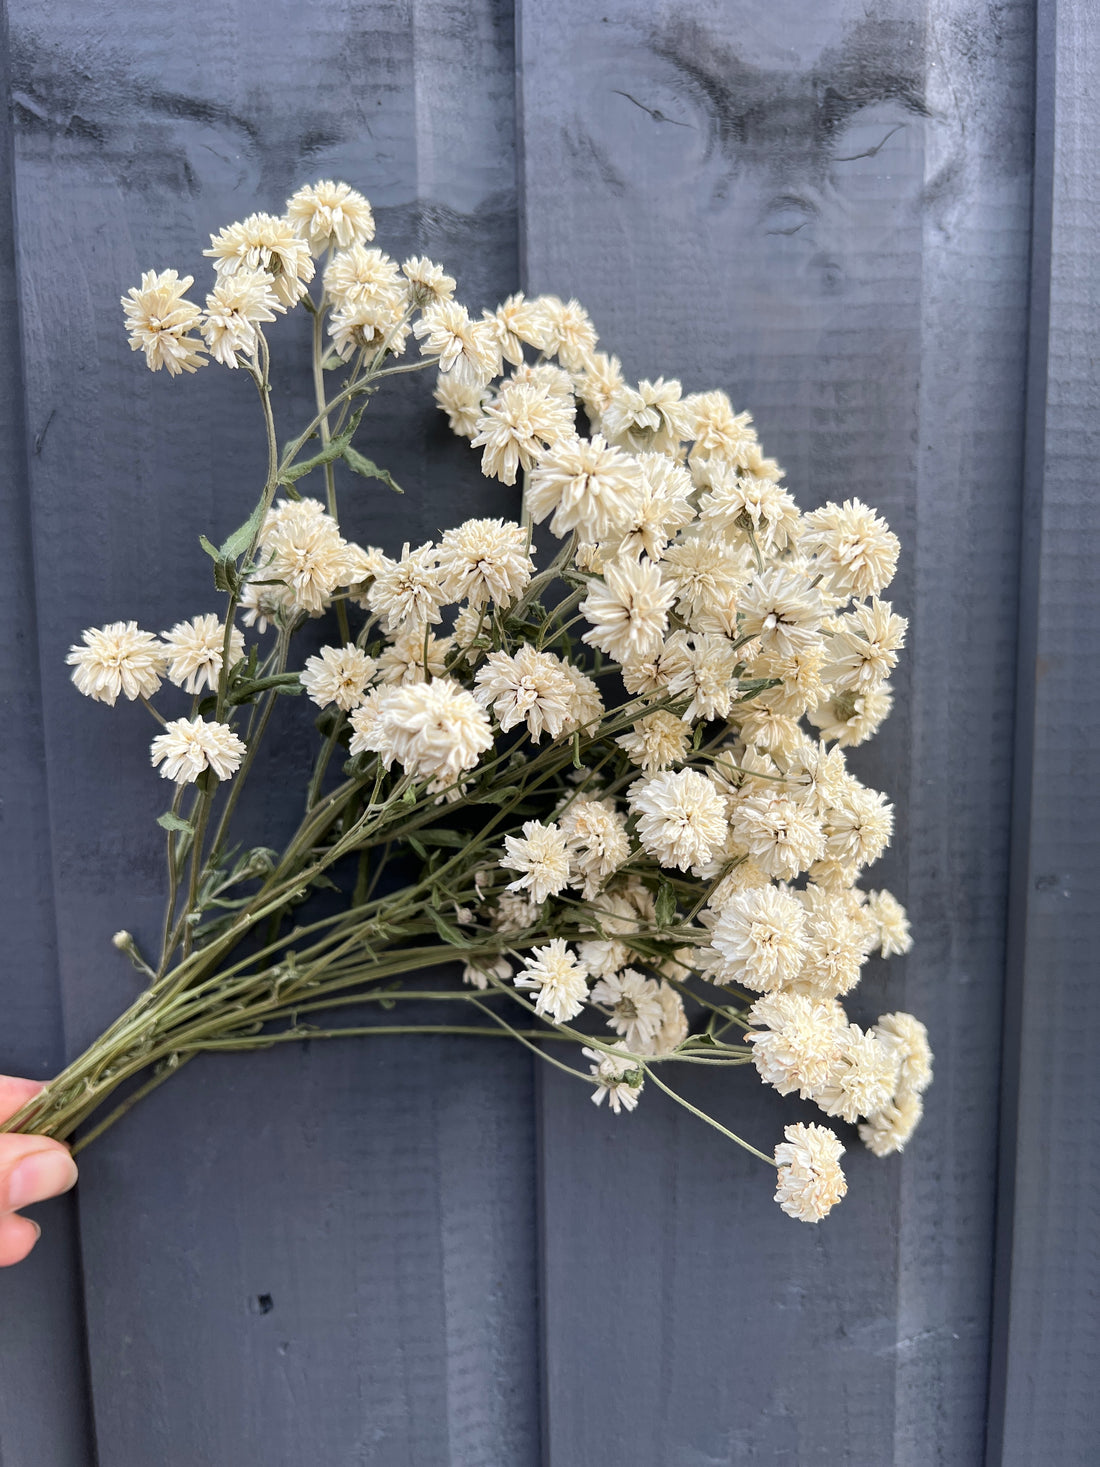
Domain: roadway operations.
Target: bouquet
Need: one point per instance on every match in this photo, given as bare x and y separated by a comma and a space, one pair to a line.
594, 755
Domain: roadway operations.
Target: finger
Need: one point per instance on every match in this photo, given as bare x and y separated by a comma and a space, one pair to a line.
18, 1235
15, 1092
32, 1168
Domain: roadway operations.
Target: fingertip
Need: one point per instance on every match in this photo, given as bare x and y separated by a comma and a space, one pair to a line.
18, 1235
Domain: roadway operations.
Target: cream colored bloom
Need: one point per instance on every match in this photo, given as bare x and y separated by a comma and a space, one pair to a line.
858, 828
889, 1129
234, 308
542, 859
628, 610
891, 923
115, 659
564, 331
781, 835
618, 1079
851, 719
413, 657
428, 282
194, 650
699, 666
862, 1076
760, 936
330, 215
853, 548
309, 555
586, 705
367, 326
527, 687
435, 730
587, 486
338, 675
485, 560
811, 1181
484, 969
663, 510
834, 950
649, 418
406, 594
681, 817
370, 279
864, 648
799, 1041
269, 243
518, 323
462, 403
624, 911
635, 1004
657, 741
708, 577
908, 1038
718, 431
158, 320
674, 1025
188, 746
559, 979
782, 610
260, 604
746, 508
514, 911
595, 833
597, 383
519, 424
468, 350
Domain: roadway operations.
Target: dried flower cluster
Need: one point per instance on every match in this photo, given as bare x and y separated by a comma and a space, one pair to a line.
609, 733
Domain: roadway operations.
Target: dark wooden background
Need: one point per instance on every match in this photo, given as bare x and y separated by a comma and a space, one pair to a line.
875, 224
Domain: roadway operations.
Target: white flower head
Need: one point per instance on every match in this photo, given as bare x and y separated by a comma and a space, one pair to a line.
194, 651
330, 215
657, 741
618, 1078
564, 330
799, 1041
598, 844
527, 687
413, 657
628, 610
265, 242
852, 546
516, 426
587, 486
234, 308
862, 1075
406, 594
760, 936
781, 835
542, 859
485, 560
468, 350
428, 282
159, 318
681, 817
435, 730
338, 675
889, 1129
188, 746
636, 1010
811, 1181
117, 659
559, 979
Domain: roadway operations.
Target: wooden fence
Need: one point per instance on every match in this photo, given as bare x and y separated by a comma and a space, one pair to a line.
877, 226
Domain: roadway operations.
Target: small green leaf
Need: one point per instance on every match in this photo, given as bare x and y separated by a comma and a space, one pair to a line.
446, 931
293, 472
279, 682
211, 550
171, 821
453, 838
369, 469
499, 796
418, 846
243, 535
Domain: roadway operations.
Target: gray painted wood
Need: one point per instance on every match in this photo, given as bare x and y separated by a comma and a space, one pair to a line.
1047, 1327
41, 1322
824, 209
381, 1198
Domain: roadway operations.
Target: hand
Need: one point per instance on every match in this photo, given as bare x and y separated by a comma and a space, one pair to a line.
32, 1168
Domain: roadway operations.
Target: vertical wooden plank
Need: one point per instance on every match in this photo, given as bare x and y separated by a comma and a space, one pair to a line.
41, 1339
1047, 1331
823, 209
320, 1255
